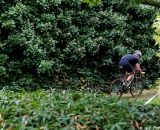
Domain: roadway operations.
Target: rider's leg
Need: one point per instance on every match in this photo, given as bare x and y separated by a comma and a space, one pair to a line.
126, 75
130, 76
131, 72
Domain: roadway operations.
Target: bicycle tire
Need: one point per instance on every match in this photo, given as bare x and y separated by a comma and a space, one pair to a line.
137, 87
116, 87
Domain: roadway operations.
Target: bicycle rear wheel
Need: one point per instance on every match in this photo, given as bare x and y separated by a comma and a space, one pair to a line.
136, 87
116, 87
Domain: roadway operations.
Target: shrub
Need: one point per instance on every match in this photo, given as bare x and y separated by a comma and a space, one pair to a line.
46, 39
73, 110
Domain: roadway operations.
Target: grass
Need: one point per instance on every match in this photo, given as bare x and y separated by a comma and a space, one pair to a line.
156, 101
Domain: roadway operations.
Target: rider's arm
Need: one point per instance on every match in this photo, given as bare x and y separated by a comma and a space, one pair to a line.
138, 68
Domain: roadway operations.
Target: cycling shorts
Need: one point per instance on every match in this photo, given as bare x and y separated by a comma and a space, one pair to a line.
125, 67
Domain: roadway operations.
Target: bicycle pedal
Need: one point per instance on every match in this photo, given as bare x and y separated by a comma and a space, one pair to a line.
128, 83
123, 84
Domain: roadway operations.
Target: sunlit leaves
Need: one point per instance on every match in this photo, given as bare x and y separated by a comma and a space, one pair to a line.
45, 66
130, 2
156, 35
92, 2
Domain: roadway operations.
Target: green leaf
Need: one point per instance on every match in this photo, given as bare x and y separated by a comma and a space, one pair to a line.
138, 1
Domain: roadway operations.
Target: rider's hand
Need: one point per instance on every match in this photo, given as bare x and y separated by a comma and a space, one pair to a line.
142, 73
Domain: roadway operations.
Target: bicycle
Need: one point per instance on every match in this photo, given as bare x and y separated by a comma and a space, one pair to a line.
119, 86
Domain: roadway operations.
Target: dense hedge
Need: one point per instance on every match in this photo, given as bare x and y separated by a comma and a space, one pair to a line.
60, 42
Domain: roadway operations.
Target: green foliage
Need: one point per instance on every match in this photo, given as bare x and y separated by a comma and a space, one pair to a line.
92, 2
3, 59
2, 70
73, 110
156, 35
138, 1
54, 42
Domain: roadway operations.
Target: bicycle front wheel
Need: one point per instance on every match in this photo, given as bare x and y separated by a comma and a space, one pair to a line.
136, 87
116, 87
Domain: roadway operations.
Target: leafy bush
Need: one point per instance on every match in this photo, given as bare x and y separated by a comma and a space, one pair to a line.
156, 35
73, 110
54, 42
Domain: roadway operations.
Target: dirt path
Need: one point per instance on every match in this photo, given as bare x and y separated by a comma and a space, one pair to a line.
146, 94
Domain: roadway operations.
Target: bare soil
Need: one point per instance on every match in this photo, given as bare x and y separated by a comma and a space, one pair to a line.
146, 94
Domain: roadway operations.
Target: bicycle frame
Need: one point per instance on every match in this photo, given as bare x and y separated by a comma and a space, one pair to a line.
120, 86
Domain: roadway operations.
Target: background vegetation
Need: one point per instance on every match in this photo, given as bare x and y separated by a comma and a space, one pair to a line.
68, 43
156, 35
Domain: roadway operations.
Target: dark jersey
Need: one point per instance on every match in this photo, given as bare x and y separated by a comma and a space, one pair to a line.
129, 59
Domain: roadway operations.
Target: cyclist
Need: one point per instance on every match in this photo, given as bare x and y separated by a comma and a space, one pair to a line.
127, 64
